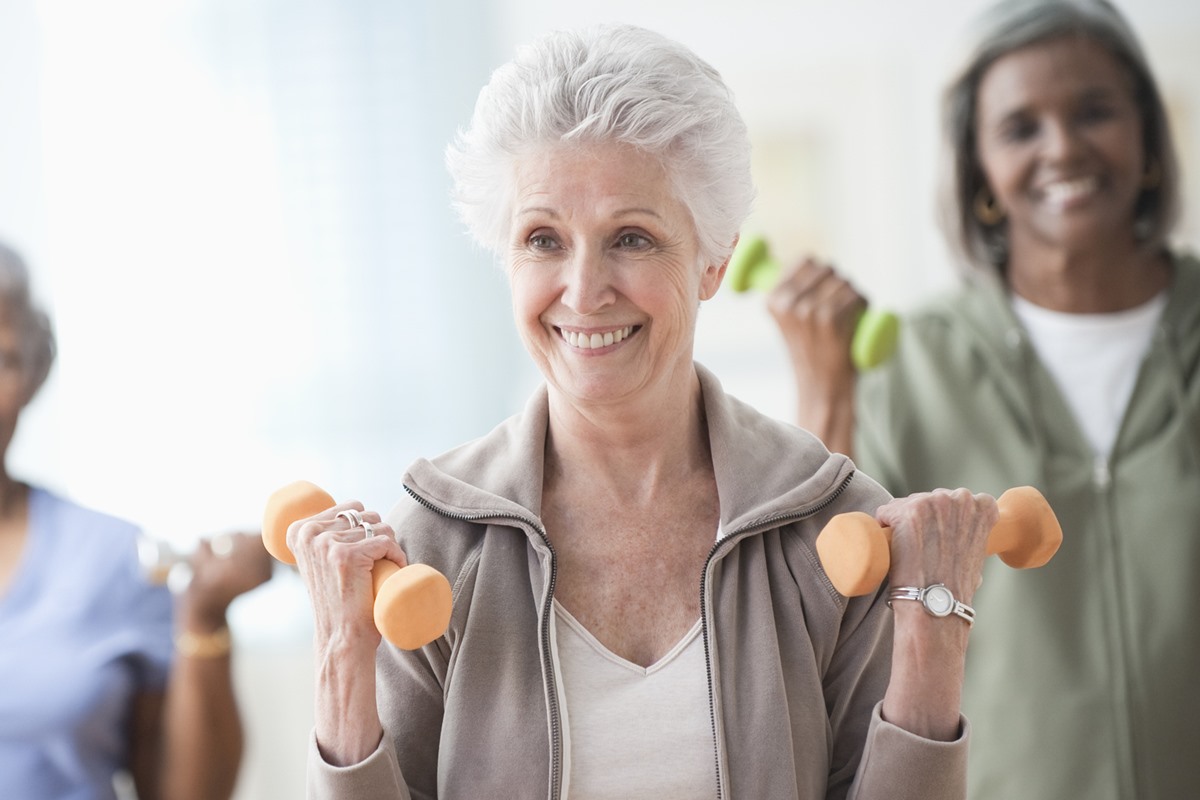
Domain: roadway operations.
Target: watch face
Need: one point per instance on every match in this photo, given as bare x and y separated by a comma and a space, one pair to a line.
939, 601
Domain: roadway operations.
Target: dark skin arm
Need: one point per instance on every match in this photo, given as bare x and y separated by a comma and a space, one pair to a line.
816, 310
187, 743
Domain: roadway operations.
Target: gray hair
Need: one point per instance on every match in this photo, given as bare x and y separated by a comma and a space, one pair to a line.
609, 83
34, 332
1014, 24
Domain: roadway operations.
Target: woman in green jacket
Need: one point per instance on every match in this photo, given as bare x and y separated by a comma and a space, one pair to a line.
1071, 361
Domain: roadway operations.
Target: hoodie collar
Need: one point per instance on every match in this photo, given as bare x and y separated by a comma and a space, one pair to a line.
764, 468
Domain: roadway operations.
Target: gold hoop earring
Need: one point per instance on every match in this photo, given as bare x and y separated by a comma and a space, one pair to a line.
1152, 177
987, 209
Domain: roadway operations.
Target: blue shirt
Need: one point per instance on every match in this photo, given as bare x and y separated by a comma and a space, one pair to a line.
81, 634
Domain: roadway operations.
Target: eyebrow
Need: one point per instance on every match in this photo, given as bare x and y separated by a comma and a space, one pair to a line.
623, 212
631, 212
1087, 94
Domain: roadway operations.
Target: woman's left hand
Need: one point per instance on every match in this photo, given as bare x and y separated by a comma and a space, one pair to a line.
938, 537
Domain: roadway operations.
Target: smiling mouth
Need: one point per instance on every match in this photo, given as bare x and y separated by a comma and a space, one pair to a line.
1063, 192
593, 341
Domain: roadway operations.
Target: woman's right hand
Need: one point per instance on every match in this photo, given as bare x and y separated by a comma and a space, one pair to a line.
335, 561
817, 311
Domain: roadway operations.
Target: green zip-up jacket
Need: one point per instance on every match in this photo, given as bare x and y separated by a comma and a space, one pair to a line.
1083, 677
796, 672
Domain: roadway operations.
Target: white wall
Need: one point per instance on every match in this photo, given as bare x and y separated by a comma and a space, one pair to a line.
237, 212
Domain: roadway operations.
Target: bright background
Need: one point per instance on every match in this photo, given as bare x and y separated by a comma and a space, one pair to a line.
237, 214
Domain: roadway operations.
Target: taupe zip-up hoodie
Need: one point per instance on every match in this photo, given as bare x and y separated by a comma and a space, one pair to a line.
796, 672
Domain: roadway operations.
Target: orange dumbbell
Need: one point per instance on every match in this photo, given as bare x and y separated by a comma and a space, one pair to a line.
412, 604
856, 550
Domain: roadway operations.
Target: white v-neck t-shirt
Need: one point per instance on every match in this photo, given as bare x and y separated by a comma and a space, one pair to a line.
634, 731
1094, 359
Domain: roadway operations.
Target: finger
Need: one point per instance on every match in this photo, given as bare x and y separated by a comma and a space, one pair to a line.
354, 517
304, 530
360, 556
383, 547
327, 538
819, 285
834, 302
803, 277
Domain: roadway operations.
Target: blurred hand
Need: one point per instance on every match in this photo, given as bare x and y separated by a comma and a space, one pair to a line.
817, 310
223, 567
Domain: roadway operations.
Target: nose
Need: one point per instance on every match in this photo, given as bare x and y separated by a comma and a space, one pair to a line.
1061, 141
587, 281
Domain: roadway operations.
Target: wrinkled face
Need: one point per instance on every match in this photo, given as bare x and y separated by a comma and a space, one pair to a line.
605, 271
1059, 136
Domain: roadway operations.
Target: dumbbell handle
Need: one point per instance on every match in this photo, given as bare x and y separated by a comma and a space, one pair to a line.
412, 604
855, 551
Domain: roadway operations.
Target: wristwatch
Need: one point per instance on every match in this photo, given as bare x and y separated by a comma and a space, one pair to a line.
937, 599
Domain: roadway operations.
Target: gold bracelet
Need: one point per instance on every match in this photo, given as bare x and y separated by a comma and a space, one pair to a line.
204, 645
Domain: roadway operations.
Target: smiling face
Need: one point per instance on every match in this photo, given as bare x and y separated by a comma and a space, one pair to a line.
605, 272
1060, 142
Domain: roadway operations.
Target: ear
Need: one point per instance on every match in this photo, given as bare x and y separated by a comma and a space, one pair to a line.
713, 275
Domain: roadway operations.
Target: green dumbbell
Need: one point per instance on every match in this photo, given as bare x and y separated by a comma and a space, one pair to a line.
875, 334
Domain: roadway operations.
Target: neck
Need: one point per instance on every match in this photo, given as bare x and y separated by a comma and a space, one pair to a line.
12, 495
634, 448
1102, 279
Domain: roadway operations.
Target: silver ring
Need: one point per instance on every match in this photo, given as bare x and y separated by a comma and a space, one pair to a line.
352, 516
368, 528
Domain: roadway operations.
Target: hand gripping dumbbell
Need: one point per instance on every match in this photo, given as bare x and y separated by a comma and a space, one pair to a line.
412, 604
855, 549
752, 267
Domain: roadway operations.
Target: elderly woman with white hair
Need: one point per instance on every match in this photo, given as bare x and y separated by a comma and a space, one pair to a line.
638, 610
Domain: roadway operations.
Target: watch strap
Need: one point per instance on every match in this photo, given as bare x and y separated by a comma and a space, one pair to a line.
937, 600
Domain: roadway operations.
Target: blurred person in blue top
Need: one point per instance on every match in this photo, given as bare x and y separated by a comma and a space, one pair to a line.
106, 677
1069, 360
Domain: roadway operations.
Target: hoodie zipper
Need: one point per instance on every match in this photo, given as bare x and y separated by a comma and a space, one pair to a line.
547, 609
724, 544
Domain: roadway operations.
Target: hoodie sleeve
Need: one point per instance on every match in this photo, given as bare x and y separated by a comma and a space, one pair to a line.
899, 765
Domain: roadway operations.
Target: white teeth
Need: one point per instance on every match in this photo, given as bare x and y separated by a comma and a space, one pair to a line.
1066, 191
592, 341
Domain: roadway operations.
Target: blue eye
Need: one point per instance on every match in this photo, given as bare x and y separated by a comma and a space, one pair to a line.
542, 241
632, 240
